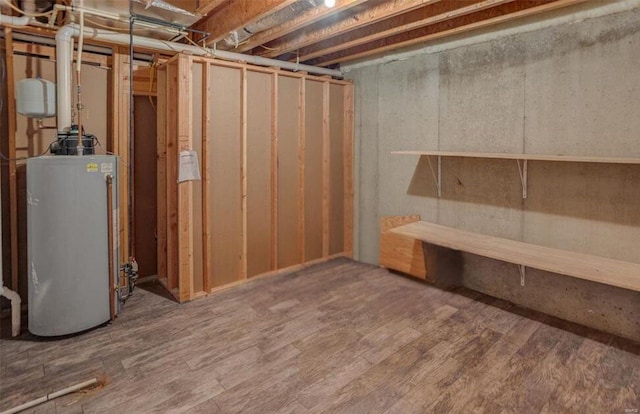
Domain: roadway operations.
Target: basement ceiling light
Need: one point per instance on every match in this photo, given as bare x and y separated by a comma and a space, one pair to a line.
329, 3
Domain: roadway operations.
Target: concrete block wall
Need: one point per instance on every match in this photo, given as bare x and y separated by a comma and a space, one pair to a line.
572, 88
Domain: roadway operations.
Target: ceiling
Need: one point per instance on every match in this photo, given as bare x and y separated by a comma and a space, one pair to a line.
312, 33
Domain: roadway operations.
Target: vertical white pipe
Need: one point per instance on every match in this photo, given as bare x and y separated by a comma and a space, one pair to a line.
12, 296
64, 51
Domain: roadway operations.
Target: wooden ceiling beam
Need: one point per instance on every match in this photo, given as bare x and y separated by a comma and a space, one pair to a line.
236, 14
380, 11
489, 17
206, 6
188, 5
422, 17
306, 19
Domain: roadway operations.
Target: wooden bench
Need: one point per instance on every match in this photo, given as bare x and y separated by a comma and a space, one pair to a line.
579, 265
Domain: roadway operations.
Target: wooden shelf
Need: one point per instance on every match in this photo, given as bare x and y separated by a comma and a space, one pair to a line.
521, 159
524, 157
579, 265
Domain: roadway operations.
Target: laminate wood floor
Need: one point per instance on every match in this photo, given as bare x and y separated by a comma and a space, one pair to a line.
341, 337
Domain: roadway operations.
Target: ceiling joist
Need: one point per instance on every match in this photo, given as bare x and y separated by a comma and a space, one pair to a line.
312, 16
422, 17
515, 10
206, 6
354, 29
349, 22
234, 15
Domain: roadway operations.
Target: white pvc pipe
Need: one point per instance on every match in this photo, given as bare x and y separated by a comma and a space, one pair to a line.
14, 21
145, 42
14, 297
50, 397
64, 50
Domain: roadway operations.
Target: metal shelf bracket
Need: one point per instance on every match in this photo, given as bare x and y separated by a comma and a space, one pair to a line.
522, 169
437, 179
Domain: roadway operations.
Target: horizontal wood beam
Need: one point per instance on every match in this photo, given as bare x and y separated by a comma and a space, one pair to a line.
451, 27
350, 22
236, 14
206, 6
304, 20
419, 18
188, 5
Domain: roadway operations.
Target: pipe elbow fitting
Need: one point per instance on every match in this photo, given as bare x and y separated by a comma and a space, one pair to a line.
65, 33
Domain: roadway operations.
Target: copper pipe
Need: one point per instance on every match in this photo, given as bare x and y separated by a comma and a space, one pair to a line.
112, 291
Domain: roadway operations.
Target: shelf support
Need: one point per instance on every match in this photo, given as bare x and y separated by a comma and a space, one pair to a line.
522, 274
522, 169
437, 179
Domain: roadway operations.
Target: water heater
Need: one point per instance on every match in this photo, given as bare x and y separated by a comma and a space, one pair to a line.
73, 247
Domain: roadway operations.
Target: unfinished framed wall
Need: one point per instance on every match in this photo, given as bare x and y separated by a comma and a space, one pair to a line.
106, 113
275, 157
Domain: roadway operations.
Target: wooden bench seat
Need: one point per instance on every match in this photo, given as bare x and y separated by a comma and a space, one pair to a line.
579, 265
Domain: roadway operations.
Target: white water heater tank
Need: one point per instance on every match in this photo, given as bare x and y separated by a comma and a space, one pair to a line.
36, 98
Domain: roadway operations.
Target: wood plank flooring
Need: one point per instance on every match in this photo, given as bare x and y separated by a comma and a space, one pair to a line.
340, 337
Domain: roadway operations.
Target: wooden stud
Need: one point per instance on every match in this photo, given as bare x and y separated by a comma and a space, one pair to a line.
243, 170
206, 196
172, 178
185, 190
326, 172
348, 169
161, 180
274, 171
120, 142
13, 183
301, 158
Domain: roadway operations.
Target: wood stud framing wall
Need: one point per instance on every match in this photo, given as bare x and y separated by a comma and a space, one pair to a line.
275, 153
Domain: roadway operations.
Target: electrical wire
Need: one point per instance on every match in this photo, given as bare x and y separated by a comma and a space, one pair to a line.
110, 153
209, 52
10, 4
152, 70
7, 159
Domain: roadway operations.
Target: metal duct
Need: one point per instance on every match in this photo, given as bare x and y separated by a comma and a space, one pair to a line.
237, 37
155, 9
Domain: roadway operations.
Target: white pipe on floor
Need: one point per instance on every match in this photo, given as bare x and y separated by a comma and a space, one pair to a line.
51, 396
14, 297
15, 301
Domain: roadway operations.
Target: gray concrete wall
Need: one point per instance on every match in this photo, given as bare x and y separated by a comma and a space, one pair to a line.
565, 89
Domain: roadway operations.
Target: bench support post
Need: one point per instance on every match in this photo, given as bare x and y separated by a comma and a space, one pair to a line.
522, 274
